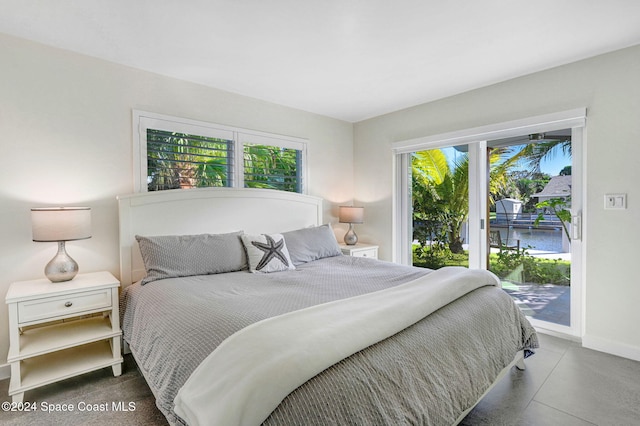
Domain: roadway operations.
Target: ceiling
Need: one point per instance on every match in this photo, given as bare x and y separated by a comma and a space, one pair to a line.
348, 59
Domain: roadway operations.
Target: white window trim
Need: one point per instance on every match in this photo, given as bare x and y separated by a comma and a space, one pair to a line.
143, 120
547, 123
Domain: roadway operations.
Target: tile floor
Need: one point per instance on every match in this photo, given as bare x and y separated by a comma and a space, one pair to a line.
563, 385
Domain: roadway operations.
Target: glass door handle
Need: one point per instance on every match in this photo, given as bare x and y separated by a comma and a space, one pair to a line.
576, 227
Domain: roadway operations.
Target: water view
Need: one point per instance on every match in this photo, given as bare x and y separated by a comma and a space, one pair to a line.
537, 239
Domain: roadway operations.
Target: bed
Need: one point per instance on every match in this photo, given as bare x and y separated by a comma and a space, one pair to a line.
320, 339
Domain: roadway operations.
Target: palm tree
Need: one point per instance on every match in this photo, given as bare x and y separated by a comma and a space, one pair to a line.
441, 194
177, 160
533, 153
441, 191
271, 167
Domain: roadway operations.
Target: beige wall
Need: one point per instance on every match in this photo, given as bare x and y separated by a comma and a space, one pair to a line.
609, 86
66, 140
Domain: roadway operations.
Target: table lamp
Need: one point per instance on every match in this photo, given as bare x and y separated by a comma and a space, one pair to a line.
351, 215
61, 224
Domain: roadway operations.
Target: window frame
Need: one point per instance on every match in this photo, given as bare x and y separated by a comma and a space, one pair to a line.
239, 137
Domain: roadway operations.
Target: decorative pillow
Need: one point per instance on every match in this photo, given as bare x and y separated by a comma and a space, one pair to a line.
172, 256
267, 253
308, 244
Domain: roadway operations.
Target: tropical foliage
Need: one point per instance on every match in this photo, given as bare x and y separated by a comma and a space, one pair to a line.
440, 192
532, 154
440, 199
528, 184
558, 207
506, 264
272, 167
178, 160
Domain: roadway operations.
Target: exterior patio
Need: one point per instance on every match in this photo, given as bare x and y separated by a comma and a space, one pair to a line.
544, 302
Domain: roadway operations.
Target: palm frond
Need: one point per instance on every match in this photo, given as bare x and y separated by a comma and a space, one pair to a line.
431, 165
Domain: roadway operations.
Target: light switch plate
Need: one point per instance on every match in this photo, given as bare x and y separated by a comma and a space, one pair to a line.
615, 201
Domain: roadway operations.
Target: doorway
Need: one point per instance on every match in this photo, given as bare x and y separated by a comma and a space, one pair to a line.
529, 222
494, 234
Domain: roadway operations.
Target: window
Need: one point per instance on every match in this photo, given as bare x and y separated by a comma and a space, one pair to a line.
272, 163
179, 160
175, 153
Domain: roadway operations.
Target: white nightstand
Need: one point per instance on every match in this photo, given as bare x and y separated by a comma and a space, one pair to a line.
54, 332
360, 250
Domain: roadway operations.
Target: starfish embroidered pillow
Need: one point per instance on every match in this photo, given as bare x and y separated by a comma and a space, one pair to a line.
267, 253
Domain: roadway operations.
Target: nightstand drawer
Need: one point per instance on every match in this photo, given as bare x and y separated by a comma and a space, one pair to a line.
373, 253
60, 306
360, 250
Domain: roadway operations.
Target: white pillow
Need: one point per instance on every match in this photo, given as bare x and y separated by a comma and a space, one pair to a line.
267, 253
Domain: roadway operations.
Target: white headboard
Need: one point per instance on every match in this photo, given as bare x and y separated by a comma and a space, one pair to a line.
207, 210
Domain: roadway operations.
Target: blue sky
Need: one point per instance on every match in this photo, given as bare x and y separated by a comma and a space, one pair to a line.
550, 165
554, 165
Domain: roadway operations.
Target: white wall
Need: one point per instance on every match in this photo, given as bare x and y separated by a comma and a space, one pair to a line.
66, 139
609, 86
65, 121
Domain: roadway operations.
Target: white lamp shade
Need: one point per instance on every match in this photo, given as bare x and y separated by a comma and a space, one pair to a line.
61, 223
351, 214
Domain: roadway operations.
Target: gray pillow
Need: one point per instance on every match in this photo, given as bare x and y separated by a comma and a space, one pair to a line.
309, 244
172, 256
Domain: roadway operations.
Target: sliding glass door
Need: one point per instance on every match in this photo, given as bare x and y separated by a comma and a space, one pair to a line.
529, 222
509, 204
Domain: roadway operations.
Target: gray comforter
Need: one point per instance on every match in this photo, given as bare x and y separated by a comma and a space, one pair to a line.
427, 374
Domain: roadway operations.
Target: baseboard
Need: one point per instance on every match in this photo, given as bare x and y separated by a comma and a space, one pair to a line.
611, 347
559, 334
5, 371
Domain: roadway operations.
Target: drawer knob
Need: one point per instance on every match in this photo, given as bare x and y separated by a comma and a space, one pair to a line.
68, 304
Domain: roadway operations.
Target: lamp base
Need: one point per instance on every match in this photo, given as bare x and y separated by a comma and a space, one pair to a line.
62, 267
350, 238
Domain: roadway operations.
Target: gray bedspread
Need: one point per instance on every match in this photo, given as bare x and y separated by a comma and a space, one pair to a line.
427, 374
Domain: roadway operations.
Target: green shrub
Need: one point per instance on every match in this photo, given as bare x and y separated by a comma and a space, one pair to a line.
437, 256
545, 271
508, 264
533, 269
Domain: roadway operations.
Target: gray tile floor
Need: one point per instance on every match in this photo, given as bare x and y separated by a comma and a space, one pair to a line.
564, 384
